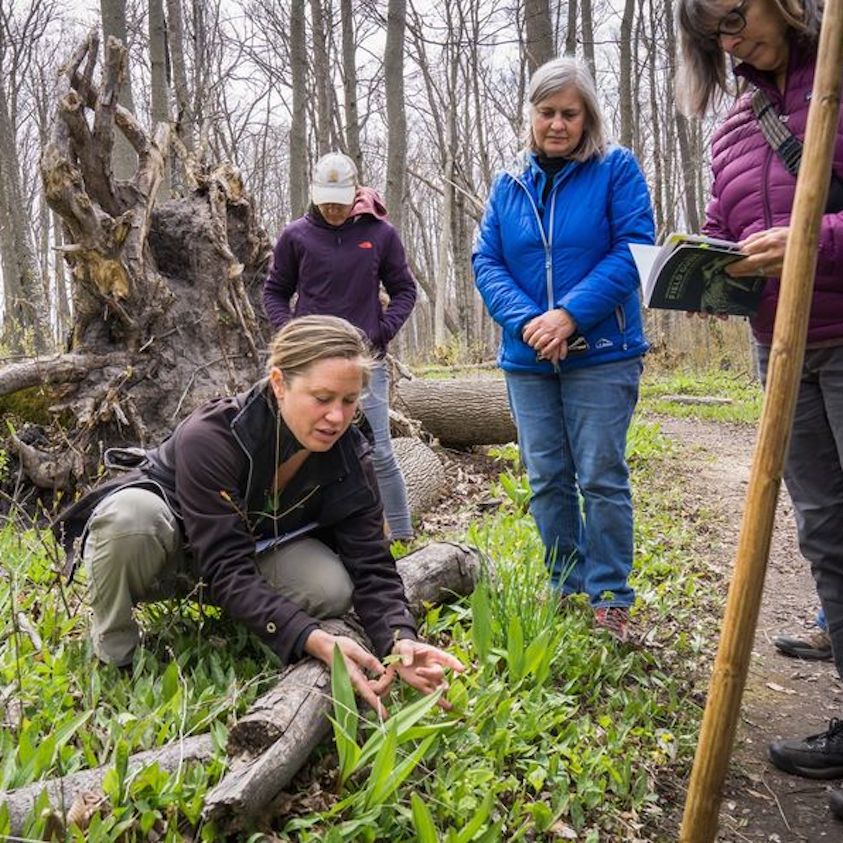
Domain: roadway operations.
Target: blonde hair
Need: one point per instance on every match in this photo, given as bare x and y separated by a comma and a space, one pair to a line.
308, 339
703, 76
568, 72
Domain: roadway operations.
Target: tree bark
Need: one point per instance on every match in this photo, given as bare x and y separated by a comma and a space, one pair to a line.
298, 124
185, 128
158, 85
461, 411
349, 65
539, 45
321, 78
423, 473
114, 25
396, 116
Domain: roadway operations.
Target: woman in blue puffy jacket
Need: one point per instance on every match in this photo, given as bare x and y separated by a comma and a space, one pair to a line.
553, 265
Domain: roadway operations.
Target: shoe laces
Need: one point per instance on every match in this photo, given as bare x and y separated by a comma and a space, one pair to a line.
832, 738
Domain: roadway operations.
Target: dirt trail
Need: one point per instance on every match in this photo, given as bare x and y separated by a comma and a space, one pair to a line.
784, 697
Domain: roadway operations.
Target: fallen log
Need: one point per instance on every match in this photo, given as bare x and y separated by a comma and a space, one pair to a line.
63, 792
460, 411
277, 736
423, 473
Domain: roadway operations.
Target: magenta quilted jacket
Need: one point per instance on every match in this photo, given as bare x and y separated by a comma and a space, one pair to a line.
753, 191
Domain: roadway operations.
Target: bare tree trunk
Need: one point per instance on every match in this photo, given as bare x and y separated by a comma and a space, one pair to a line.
539, 44
123, 158
459, 411
185, 130
322, 78
396, 116
298, 125
588, 34
571, 34
349, 64
626, 74
158, 87
26, 304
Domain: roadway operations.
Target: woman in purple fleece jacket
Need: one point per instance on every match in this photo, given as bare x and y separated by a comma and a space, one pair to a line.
335, 257
772, 46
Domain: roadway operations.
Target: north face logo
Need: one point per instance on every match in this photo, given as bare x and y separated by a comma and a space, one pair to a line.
366, 244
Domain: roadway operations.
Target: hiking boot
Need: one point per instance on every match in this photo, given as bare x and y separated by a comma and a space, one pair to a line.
614, 619
813, 647
835, 802
815, 757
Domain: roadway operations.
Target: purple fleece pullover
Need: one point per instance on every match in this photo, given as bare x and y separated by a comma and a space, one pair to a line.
753, 191
336, 271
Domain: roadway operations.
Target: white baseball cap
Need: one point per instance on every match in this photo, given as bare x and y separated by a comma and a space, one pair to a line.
334, 180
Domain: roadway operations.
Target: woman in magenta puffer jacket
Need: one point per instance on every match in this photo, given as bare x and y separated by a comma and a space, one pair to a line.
772, 46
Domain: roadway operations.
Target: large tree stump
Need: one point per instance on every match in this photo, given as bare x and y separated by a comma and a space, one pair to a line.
164, 292
459, 411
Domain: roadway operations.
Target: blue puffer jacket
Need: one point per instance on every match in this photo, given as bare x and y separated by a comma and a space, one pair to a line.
571, 252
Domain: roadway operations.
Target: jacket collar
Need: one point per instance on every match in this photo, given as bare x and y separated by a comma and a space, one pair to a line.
266, 441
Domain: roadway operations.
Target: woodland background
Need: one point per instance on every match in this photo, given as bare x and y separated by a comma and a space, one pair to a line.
427, 97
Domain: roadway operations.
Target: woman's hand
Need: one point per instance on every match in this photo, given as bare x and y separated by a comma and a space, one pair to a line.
548, 334
358, 660
423, 666
764, 252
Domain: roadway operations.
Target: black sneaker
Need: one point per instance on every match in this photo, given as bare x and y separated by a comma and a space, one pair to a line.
835, 802
815, 757
814, 647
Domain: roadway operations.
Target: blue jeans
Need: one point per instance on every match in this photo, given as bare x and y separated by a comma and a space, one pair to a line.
813, 474
375, 405
572, 437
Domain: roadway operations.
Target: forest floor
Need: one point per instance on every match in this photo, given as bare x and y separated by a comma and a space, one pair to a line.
784, 697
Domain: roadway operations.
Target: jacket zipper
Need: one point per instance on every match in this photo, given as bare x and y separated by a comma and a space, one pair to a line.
548, 243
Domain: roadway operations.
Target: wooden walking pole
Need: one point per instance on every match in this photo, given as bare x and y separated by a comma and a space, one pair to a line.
702, 805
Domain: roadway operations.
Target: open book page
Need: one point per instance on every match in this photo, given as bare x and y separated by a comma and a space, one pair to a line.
688, 273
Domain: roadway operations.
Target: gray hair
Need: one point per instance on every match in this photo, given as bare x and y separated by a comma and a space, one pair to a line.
703, 79
568, 72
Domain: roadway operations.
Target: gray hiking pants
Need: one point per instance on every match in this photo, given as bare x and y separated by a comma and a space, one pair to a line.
813, 474
134, 554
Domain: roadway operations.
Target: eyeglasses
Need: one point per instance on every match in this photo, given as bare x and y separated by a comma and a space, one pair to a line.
733, 22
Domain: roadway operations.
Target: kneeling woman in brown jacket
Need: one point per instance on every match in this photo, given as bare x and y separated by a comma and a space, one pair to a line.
267, 503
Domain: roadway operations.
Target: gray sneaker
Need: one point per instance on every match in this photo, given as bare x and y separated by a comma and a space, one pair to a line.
813, 647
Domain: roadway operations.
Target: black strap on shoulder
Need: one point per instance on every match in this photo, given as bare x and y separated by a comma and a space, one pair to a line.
788, 147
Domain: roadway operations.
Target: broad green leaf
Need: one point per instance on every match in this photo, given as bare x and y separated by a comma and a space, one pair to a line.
347, 751
515, 648
403, 770
170, 682
481, 621
345, 716
423, 821
478, 819
383, 767
403, 721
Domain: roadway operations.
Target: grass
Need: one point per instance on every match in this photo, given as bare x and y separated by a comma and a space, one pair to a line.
555, 729
741, 389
